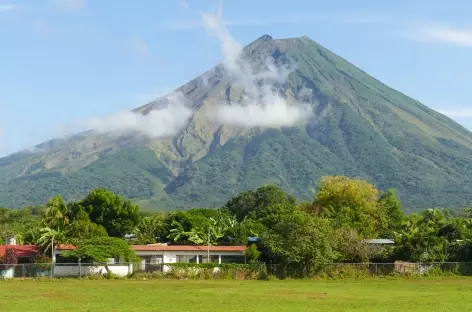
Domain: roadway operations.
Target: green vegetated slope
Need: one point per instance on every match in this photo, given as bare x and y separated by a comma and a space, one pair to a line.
360, 127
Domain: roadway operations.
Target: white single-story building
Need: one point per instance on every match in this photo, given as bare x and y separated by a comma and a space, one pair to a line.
154, 257
158, 254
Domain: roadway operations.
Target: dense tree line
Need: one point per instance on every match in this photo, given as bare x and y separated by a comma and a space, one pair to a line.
301, 237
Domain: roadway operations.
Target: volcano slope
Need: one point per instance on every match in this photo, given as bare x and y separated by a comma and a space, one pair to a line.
355, 126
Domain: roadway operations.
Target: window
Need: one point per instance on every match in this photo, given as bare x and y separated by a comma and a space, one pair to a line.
213, 259
186, 259
62, 259
233, 259
156, 259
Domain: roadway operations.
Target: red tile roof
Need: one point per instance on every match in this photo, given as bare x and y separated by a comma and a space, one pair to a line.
188, 248
157, 247
64, 247
21, 250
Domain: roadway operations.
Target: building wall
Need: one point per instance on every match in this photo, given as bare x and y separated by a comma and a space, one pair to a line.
171, 256
150, 258
76, 270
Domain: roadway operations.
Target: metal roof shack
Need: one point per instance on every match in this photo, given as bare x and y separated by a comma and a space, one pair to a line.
380, 241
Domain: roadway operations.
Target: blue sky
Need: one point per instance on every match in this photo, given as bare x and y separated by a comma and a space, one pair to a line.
66, 60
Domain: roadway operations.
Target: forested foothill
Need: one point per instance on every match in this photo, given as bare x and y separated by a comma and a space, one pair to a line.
305, 237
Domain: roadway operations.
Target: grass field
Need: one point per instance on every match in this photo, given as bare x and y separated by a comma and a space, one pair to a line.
445, 294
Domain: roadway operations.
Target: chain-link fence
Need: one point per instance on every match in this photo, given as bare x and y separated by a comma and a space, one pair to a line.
373, 269
54, 270
35, 270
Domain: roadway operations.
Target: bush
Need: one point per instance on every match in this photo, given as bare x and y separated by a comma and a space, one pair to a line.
216, 271
10, 259
44, 263
252, 254
146, 276
345, 271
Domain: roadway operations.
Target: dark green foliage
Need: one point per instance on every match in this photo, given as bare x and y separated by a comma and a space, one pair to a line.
100, 249
391, 206
83, 228
435, 235
252, 254
202, 226
255, 203
300, 243
22, 223
133, 173
105, 208
9, 259
295, 241
150, 230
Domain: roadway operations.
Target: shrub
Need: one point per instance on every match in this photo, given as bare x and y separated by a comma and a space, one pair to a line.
146, 276
345, 271
216, 271
252, 254
44, 262
10, 259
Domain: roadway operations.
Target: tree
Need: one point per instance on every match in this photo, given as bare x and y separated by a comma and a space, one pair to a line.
300, 242
50, 237
100, 249
239, 234
193, 225
179, 234
252, 203
419, 238
82, 228
351, 203
252, 254
351, 247
117, 216
390, 205
57, 214
150, 230
9, 259
20, 223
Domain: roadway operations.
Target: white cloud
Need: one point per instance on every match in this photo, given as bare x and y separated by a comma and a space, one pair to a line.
260, 105
7, 7
158, 123
438, 33
140, 47
70, 5
273, 112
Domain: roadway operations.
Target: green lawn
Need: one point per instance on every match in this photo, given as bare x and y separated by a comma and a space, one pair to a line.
445, 294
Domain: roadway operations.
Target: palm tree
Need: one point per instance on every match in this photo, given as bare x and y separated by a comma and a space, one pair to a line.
49, 237
57, 214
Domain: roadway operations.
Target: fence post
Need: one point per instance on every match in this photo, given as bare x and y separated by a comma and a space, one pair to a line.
80, 268
23, 273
